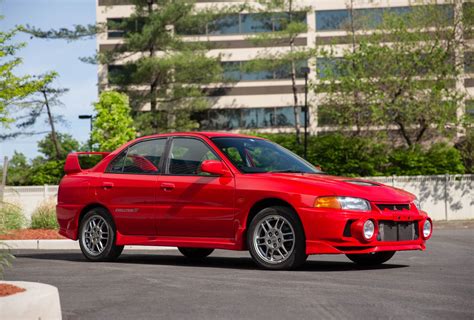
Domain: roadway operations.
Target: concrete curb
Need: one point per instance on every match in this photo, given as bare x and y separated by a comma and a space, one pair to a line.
39, 301
63, 245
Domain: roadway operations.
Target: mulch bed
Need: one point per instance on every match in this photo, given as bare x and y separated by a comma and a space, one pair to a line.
8, 289
31, 234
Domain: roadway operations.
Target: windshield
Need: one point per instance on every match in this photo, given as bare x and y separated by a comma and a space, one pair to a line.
259, 156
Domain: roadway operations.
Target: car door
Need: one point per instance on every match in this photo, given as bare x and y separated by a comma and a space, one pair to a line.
192, 203
128, 187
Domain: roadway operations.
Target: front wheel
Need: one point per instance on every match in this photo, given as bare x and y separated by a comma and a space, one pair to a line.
97, 236
371, 259
195, 253
275, 239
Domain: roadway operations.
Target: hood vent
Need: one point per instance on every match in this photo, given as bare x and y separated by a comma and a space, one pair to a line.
362, 183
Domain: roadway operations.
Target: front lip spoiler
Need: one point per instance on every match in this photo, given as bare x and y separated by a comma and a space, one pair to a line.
322, 247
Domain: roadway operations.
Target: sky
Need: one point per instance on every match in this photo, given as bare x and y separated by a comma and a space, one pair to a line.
40, 56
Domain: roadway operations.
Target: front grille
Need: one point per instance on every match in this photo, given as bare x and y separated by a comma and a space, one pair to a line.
397, 231
393, 207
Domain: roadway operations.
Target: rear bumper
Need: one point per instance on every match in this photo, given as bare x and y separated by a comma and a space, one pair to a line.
68, 220
327, 231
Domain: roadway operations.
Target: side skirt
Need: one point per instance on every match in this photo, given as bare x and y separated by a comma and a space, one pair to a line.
214, 243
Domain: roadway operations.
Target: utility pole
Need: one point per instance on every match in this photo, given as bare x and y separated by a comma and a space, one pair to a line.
4, 178
306, 71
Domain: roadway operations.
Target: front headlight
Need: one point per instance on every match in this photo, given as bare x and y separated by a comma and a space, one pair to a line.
345, 203
417, 204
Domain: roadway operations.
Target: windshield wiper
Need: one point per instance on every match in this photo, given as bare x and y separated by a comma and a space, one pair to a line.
287, 171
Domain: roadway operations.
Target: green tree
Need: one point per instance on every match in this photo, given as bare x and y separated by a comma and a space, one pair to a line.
113, 125
42, 103
173, 71
66, 142
399, 77
287, 21
13, 88
46, 171
18, 173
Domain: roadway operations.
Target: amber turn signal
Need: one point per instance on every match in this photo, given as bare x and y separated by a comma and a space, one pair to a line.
327, 202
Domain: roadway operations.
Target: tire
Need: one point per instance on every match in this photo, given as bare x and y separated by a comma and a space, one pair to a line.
97, 235
276, 240
195, 253
371, 259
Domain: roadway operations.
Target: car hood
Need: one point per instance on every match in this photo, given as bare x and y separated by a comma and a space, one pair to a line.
329, 185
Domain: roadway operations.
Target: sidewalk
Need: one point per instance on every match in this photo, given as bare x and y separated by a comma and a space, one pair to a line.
63, 245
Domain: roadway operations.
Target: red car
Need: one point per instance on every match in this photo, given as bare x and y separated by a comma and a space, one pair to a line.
206, 191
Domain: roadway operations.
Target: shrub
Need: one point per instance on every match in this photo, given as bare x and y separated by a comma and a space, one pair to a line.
44, 216
355, 156
466, 147
337, 154
11, 217
438, 159
341, 155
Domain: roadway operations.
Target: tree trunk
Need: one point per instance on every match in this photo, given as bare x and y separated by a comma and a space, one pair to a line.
153, 85
356, 94
296, 107
404, 133
51, 123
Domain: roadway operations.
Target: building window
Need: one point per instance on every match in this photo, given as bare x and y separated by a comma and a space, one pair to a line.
118, 27
224, 25
469, 62
238, 71
340, 20
470, 108
121, 74
247, 118
329, 67
468, 14
241, 24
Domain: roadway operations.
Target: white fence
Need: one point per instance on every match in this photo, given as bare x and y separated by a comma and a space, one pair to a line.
448, 197
445, 197
30, 197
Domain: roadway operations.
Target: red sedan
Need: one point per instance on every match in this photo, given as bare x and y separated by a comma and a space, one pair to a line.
206, 191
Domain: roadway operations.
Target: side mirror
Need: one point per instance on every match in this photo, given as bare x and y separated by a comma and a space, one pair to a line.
214, 167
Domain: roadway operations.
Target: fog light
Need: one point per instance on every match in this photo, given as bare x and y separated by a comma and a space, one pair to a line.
369, 229
427, 228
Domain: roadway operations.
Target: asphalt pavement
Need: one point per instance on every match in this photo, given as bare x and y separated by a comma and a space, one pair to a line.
435, 284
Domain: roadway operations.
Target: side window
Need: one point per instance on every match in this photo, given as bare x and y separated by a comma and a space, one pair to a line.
143, 157
186, 156
116, 165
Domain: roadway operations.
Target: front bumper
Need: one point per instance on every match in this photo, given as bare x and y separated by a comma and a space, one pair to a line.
329, 232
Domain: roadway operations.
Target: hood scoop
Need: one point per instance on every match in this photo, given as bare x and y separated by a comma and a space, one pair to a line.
362, 183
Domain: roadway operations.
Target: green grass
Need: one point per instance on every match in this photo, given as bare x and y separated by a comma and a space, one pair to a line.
11, 217
44, 217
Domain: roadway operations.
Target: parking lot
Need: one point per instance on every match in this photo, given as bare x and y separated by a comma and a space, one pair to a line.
435, 284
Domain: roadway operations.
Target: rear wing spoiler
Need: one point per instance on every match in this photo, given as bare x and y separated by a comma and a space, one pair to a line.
73, 165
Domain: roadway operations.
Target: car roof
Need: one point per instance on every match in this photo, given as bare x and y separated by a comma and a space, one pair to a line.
209, 135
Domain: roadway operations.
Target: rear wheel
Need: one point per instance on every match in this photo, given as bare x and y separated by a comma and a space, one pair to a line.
97, 236
275, 239
195, 253
371, 259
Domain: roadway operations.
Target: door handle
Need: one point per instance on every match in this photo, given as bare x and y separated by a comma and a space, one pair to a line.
107, 185
167, 186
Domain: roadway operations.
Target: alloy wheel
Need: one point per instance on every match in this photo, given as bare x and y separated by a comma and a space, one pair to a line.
95, 235
274, 239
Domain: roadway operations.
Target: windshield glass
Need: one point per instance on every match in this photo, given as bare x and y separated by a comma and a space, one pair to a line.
259, 156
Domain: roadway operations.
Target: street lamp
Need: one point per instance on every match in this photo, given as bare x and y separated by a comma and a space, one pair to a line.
305, 71
91, 118
86, 116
